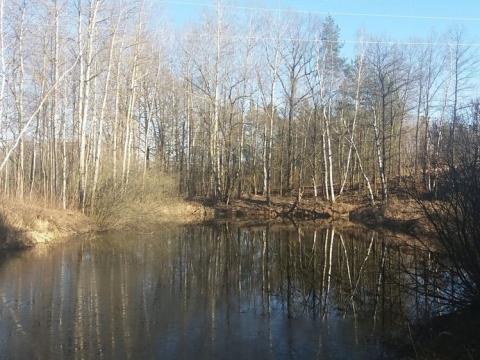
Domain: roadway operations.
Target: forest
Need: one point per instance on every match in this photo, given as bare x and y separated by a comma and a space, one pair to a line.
99, 97
115, 117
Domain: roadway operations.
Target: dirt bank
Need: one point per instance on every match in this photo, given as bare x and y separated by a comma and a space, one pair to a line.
282, 207
401, 215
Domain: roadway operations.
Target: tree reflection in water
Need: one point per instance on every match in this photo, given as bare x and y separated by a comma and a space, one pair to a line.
217, 291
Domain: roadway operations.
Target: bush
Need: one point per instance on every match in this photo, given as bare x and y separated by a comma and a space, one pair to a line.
114, 204
455, 218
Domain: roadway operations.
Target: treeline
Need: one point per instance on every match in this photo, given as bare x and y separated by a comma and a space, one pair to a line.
95, 98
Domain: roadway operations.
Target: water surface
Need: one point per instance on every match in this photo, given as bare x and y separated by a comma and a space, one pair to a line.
202, 292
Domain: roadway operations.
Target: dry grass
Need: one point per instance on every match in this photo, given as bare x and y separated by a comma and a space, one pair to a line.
143, 204
140, 205
148, 214
24, 224
403, 209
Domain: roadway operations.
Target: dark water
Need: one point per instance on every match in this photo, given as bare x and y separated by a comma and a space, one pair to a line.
202, 292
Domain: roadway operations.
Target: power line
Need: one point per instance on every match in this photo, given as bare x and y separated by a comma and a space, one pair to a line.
333, 13
316, 40
363, 42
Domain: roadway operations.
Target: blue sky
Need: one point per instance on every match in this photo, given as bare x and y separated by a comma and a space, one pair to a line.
436, 15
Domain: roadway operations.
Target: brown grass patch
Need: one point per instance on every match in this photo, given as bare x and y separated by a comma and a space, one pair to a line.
145, 203
24, 224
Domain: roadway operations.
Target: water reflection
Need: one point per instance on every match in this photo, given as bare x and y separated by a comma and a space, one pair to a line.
214, 292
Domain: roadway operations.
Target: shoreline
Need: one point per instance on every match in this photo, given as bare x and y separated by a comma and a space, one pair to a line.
402, 215
24, 225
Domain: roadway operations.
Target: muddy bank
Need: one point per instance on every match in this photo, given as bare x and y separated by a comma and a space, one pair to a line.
401, 215
282, 207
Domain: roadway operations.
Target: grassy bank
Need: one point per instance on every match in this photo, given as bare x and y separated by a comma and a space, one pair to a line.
26, 224
147, 214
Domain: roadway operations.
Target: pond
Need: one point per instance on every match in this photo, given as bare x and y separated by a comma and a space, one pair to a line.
219, 291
